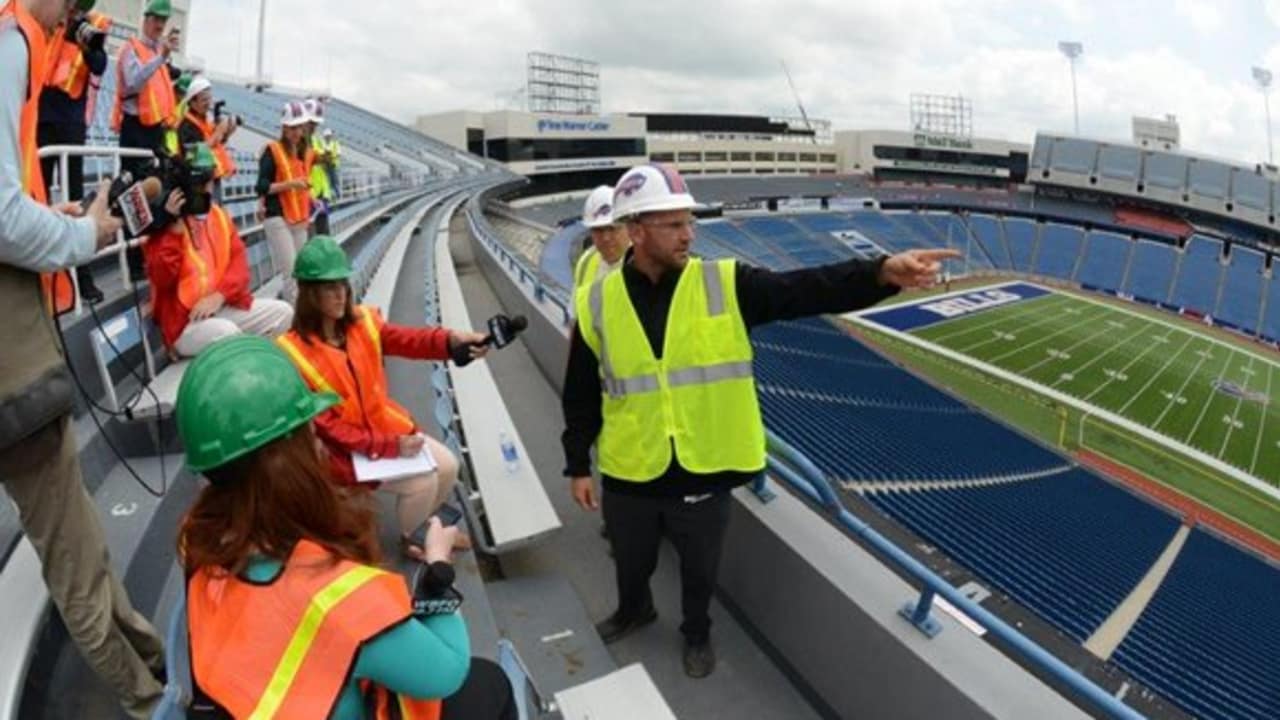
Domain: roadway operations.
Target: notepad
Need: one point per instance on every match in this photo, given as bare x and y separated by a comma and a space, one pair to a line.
396, 468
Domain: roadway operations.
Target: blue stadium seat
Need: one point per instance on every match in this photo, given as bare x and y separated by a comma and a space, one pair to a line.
1106, 258
1270, 325
1199, 275
1210, 638
1059, 250
1151, 271
1242, 290
1070, 546
1020, 234
989, 233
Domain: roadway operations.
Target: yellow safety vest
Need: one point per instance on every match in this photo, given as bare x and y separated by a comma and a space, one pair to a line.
588, 266
700, 398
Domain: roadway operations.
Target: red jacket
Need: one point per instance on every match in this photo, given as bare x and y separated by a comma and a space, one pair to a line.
343, 438
164, 253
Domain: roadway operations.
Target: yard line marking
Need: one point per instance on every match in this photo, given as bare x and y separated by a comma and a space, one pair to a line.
1073, 346
1116, 346
1033, 343
1204, 409
1235, 416
1112, 378
1020, 329
1154, 376
1257, 445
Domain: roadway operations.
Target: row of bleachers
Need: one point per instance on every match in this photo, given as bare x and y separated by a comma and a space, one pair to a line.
1059, 250
1151, 271
1105, 261
745, 245
790, 239
1070, 546
1020, 235
815, 381
1241, 300
988, 231
1199, 275
1210, 638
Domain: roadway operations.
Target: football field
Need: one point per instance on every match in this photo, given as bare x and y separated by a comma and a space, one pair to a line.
1163, 374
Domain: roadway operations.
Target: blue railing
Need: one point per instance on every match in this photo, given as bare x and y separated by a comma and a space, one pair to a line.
799, 472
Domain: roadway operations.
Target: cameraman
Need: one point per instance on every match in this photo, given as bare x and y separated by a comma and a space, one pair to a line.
145, 102
197, 128
78, 59
39, 464
198, 270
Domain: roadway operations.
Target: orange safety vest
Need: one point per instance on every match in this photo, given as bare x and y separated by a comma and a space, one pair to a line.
156, 102
69, 72
57, 286
205, 256
296, 204
222, 159
357, 375
285, 649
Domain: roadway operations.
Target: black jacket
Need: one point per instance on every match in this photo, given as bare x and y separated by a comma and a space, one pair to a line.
763, 296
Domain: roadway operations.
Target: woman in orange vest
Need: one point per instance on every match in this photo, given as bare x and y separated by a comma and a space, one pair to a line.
196, 126
284, 172
339, 347
289, 614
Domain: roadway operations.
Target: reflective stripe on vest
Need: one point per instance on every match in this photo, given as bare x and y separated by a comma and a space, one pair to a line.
700, 397
356, 375
223, 165
588, 267
156, 101
296, 204
57, 287
70, 73
285, 648
206, 255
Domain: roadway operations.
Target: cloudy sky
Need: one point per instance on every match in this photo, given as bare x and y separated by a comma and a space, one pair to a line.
854, 61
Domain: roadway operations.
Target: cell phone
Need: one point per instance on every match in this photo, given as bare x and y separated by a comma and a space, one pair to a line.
449, 516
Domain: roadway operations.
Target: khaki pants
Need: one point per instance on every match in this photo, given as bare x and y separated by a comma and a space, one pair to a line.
42, 475
268, 318
283, 242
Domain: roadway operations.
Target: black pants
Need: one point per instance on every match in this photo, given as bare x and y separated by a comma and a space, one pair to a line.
65, 134
694, 524
484, 695
321, 224
134, 135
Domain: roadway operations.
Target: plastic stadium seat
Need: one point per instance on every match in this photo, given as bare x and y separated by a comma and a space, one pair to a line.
1106, 259
1199, 275
1242, 290
1151, 271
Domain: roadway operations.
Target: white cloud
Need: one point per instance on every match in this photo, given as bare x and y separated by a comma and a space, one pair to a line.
854, 61
1272, 10
1204, 16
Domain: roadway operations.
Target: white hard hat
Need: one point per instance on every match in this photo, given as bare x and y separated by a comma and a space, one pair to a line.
315, 111
650, 188
598, 210
198, 85
328, 132
294, 114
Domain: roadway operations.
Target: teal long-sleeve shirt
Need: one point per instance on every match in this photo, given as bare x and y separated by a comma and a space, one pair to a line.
422, 657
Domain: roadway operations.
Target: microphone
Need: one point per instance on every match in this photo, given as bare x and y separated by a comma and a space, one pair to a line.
130, 201
502, 332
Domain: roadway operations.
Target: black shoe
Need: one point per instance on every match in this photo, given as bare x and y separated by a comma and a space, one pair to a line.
699, 659
616, 627
90, 293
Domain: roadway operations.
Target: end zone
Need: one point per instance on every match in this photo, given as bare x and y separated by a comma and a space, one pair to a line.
939, 308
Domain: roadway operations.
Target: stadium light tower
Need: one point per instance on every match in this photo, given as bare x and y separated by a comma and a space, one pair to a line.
1073, 50
1262, 76
262, 34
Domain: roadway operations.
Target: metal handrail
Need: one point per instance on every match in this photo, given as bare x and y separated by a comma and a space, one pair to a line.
798, 471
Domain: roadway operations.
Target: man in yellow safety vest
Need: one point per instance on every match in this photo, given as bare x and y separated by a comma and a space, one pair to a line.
608, 239
660, 380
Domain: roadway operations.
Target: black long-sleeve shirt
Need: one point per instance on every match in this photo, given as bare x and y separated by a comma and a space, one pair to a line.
763, 296
267, 177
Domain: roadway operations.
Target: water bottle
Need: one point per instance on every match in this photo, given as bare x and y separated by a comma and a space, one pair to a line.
510, 455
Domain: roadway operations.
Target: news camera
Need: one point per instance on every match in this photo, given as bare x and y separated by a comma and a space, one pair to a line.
85, 34
236, 120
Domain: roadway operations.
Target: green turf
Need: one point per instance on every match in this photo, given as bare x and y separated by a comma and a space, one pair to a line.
1158, 374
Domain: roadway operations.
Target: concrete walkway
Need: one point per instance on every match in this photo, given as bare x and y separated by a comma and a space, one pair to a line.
1112, 632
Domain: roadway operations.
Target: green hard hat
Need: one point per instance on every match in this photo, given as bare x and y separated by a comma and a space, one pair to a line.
182, 84
238, 395
159, 8
199, 158
320, 260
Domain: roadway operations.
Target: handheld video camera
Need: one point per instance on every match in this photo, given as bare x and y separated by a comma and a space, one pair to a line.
85, 34
236, 120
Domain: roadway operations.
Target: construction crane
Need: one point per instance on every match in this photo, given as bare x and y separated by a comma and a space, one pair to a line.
799, 104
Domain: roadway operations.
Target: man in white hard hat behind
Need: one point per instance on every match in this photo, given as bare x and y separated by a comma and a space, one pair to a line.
660, 380
609, 240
